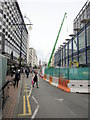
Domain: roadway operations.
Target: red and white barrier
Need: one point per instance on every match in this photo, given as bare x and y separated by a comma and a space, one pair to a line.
80, 86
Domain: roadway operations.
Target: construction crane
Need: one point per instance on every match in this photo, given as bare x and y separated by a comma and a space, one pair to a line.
56, 40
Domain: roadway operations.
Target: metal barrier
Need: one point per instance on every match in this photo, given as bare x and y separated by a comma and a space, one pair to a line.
4, 93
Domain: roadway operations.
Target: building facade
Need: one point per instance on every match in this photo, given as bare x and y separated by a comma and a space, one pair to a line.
33, 57
83, 15
13, 32
77, 48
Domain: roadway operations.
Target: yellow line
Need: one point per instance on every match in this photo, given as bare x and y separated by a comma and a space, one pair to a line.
24, 105
29, 108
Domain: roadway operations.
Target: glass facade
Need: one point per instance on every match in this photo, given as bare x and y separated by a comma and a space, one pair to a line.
83, 14
81, 39
88, 35
75, 45
77, 49
14, 36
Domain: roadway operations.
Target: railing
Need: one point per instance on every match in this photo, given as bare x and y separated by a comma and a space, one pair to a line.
4, 94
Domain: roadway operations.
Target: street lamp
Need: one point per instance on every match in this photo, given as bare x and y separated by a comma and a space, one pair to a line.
21, 25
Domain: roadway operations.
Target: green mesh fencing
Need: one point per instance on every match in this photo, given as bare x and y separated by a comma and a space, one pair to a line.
56, 72
64, 72
79, 73
69, 73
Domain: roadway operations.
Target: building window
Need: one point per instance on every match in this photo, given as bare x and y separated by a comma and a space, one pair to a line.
75, 58
82, 40
75, 45
4, 16
66, 50
88, 35
82, 58
70, 47
70, 59
88, 56
4, 30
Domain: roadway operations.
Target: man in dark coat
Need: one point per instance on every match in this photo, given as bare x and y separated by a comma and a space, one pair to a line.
17, 77
35, 79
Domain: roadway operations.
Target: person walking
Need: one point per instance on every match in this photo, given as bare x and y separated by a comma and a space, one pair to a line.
17, 77
27, 72
35, 79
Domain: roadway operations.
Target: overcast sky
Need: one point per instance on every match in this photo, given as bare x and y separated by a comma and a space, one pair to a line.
46, 17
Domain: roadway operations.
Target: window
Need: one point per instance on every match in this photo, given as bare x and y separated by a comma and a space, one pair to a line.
7, 20
88, 35
88, 56
75, 58
75, 45
63, 53
3, 23
70, 47
4, 30
66, 50
70, 59
4, 16
82, 40
82, 58
6, 33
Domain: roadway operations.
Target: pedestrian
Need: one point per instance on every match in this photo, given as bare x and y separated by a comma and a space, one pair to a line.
17, 77
27, 72
35, 79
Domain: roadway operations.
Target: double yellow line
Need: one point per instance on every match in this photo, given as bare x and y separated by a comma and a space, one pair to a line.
26, 100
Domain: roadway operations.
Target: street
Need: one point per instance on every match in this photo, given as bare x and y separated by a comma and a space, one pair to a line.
49, 102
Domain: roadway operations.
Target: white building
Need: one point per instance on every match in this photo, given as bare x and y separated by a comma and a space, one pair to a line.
33, 57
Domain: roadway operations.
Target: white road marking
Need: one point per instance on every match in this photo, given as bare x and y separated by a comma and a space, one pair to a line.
60, 99
30, 91
34, 99
35, 112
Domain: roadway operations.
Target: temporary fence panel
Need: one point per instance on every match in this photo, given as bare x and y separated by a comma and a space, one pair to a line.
3, 70
79, 73
56, 72
0, 72
69, 73
64, 73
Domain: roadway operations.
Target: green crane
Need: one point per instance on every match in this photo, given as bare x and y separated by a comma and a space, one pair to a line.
56, 40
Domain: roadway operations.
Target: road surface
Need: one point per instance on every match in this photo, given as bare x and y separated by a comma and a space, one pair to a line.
49, 102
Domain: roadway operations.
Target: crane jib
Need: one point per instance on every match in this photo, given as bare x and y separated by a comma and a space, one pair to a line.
56, 40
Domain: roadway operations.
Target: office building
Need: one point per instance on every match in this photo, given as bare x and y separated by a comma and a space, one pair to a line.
33, 57
13, 32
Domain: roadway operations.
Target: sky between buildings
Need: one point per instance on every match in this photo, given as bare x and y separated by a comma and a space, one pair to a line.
46, 17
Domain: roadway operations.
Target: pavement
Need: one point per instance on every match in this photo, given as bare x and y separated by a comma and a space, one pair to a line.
11, 101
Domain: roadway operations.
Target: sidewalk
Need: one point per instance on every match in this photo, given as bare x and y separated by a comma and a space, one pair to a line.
11, 101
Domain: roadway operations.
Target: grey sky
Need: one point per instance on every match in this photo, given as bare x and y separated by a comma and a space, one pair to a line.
46, 17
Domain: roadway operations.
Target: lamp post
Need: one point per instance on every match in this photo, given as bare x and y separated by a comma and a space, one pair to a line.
21, 28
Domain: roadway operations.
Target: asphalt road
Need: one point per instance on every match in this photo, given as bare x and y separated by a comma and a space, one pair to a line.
50, 102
